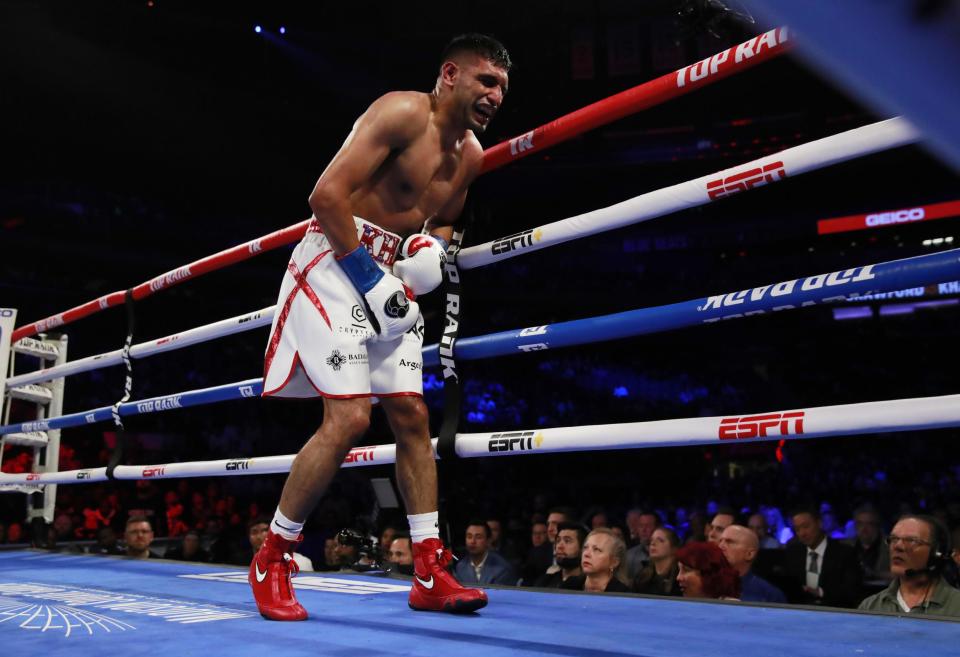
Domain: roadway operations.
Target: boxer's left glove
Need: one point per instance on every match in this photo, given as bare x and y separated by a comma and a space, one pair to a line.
421, 262
389, 306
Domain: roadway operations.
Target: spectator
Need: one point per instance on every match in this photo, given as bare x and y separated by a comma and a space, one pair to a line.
501, 543
482, 565
106, 542
723, 518
400, 554
659, 576
643, 524
873, 555
138, 535
567, 550
602, 563
740, 546
257, 534
555, 517
919, 551
331, 560
705, 573
190, 549
386, 537
540, 555
818, 569
758, 523
696, 527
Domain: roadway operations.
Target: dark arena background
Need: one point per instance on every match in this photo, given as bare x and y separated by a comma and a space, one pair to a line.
141, 135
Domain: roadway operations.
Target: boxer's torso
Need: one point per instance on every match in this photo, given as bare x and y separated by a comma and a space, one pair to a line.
419, 178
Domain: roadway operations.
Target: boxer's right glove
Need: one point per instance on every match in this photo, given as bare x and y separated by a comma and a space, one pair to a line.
389, 307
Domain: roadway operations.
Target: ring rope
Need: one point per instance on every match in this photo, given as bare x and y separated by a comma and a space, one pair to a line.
793, 161
798, 159
786, 295
921, 413
673, 85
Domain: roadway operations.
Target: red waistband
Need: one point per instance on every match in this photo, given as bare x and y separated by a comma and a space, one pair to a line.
382, 245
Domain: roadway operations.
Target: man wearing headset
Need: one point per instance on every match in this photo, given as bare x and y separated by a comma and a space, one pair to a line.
919, 551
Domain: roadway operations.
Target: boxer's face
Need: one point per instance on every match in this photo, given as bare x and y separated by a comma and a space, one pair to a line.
479, 87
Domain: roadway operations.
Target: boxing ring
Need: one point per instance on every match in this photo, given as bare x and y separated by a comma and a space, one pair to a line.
48, 600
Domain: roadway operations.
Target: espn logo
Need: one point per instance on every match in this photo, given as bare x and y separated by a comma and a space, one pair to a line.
356, 455
516, 441
741, 182
153, 472
761, 426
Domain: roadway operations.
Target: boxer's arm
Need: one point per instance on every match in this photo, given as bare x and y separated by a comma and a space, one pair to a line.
390, 123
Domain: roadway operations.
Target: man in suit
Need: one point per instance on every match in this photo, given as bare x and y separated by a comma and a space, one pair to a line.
482, 565
819, 570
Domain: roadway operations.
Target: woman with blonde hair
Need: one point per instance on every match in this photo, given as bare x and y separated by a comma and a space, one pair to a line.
602, 562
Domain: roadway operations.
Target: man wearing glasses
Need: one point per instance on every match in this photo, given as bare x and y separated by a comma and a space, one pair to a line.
919, 551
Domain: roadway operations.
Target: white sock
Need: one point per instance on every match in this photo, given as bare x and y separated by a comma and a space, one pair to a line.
423, 526
285, 527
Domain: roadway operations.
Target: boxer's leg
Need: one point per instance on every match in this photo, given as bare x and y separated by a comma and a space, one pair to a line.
416, 469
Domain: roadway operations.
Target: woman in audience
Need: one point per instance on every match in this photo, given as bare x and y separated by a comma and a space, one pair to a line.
601, 561
659, 576
705, 573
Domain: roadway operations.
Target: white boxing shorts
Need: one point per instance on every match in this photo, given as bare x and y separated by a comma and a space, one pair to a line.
321, 342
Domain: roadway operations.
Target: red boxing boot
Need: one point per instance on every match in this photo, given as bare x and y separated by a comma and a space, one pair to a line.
434, 589
269, 577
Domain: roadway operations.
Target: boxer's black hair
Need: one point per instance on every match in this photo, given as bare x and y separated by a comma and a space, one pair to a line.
479, 44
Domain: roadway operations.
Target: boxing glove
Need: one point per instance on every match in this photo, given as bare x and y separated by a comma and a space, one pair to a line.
420, 263
389, 306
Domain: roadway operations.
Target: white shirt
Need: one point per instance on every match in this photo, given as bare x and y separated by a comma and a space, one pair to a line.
813, 579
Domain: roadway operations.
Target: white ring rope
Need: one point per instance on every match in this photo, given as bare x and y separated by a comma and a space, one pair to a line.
921, 413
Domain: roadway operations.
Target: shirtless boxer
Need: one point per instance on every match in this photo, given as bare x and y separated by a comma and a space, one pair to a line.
347, 326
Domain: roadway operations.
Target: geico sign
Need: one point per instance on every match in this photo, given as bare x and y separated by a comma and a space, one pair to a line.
896, 217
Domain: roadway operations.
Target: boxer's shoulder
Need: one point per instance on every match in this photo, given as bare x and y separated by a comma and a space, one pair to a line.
406, 112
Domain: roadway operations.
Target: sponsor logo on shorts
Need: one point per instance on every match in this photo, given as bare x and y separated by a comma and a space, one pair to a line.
357, 314
411, 364
358, 454
338, 359
744, 180
380, 244
233, 466
517, 441
517, 241
761, 426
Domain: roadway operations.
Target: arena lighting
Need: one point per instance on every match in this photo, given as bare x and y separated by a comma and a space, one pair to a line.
257, 29
283, 30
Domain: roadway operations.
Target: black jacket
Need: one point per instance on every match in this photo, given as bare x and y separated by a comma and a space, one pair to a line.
840, 575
